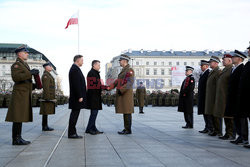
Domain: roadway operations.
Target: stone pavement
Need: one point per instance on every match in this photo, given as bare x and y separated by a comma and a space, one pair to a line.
157, 140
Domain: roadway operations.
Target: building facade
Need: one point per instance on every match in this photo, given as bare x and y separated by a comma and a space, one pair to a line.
8, 57
161, 70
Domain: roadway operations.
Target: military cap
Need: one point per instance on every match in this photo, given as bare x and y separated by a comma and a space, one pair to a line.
239, 54
141, 82
124, 57
22, 48
47, 64
214, 58
227, 56
189, 68
204, 62
249, 46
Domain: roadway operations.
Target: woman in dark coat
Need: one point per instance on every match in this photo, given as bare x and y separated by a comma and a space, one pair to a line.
94, 100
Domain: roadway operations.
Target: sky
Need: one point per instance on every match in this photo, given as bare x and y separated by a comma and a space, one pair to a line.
108, 27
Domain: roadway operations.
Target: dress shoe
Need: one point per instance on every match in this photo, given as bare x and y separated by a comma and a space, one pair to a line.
99, 132
187, 127
204, 131
124, 132
74, 136
20, 141
247, 146
141, 112
237, 141
225, 137
212, 134
46, 128
244, 142
91, 132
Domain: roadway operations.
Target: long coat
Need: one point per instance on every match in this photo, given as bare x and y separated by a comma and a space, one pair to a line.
49, 93
186, 97
124, 102
94, 90
141, 95
202, 92
77, 87
20, 108
244, 91
222, 91
232, 107
211, 91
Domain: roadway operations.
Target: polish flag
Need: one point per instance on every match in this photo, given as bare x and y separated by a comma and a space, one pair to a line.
72, 20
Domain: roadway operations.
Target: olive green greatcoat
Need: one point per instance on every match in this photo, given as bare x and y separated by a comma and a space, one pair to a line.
211, 91
141, 95
20, 108
221, 91
124, 101
49, 93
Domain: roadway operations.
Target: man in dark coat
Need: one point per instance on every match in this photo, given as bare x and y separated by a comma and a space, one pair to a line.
20, 108
233, 95
244, 92
94, 101
186, 97
48, 97
77, 97
202, 96
141, 96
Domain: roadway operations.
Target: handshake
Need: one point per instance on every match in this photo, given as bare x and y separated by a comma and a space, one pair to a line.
106, 87
34, 71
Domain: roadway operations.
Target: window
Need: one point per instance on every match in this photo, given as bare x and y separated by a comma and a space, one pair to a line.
162, 63
155, 63
147, 71
170, 82
185, 63
162, 72
147, 63
177, 63
155, 71
137, 63
170, 63
169, 72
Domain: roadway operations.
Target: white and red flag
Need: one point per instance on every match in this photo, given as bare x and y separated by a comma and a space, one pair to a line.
73, 20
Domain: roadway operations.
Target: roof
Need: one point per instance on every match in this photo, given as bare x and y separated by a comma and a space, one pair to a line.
11, 47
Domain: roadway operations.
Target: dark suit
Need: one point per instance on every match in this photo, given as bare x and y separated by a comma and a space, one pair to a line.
244, 92
186, 99
202, 98
77, 87
232, 107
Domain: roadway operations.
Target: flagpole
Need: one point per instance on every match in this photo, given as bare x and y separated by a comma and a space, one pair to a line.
78, 34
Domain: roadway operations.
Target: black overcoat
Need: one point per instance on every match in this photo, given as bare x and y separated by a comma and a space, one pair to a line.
202, 92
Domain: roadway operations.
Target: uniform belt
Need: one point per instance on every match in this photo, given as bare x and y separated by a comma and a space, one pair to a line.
25, 81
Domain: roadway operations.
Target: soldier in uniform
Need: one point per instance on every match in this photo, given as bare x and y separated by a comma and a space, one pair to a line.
48, 96
244, 92
232, 108
141, 96
186, 97
221, 97
20, 109
124, 93
211, 94
202, 95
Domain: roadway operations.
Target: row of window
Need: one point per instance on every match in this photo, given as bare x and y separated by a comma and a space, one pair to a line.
155, 72
169, 63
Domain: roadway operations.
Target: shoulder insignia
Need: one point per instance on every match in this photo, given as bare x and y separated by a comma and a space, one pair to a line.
192, 81
16, 66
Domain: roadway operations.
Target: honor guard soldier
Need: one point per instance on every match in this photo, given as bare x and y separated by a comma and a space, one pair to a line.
124, 93
186, 97
141, 96
20, 108
48, 97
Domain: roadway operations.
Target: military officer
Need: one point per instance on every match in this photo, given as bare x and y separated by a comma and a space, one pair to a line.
141, 96
124, 103
221, 97
202, 95
186, 97
48, 96
20, 108
232, 108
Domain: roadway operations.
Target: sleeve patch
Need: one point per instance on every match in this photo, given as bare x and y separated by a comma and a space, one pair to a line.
16, 66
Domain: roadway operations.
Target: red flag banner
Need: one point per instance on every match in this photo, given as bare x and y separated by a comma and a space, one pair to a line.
72, 20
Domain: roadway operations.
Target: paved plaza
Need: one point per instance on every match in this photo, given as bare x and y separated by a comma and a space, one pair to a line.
157, 140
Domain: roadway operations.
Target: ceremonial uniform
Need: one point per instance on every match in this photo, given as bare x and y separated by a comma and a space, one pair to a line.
124, 103
48, 98
20, 108
141, 96
186, 99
